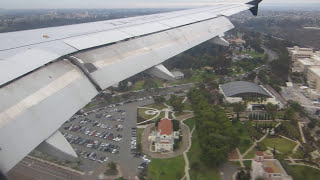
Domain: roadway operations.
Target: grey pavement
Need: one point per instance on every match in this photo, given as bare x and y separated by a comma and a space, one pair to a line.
124, 158
227, 170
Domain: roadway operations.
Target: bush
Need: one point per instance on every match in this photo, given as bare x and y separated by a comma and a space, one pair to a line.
311, 125
175, 124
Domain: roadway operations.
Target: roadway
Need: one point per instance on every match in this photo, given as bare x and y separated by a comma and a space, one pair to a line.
30, 169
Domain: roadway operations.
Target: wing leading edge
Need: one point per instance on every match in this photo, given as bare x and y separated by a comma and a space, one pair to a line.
40, 90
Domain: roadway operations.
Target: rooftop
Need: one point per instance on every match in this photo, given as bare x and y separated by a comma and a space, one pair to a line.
315, 70
165, 127
272, 167
235, 88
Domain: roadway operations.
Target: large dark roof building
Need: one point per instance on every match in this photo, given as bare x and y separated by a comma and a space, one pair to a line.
243, 89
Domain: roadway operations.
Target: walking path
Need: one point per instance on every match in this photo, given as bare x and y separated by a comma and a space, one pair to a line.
147, 108
301, 164
187, 167
301, 132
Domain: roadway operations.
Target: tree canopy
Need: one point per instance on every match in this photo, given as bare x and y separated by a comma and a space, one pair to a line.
214, 130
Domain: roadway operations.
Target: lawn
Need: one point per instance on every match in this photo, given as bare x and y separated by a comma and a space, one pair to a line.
262, 123
156, 106
139, 137
178, 114
247, 163
162, 115
251, 154
166, 169
297, 155
204, 173
283, 145
187, 106
245, 140
190, 122
303, 172
142, 114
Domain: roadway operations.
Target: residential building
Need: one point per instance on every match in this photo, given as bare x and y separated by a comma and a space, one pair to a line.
265, 166
162, 139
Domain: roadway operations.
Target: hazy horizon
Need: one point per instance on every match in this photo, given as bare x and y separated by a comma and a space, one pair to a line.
126, 4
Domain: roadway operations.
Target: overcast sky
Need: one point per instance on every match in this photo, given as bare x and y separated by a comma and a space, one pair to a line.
34, 4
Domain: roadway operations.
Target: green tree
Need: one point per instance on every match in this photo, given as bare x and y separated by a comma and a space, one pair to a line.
159, 99
238, 108
176, 103
290, 114
272, 110
176, 125
123, 85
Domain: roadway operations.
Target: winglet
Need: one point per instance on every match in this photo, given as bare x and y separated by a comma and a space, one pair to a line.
254, 10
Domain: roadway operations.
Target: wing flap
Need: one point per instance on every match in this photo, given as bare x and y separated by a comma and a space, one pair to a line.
36, 105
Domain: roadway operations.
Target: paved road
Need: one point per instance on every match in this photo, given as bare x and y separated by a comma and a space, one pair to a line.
29, 169
227, 170
143, 93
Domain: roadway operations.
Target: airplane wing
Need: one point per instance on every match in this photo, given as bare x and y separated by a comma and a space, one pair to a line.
48, 74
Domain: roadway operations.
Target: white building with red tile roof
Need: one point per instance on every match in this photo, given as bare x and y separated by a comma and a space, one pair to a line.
163, 138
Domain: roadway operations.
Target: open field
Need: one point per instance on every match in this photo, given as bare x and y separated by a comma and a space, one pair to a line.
303, 172
281, 144
166, 169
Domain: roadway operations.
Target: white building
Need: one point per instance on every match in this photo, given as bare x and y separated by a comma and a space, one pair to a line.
163, 138
302, 65
265, 166
299, 53
177, 74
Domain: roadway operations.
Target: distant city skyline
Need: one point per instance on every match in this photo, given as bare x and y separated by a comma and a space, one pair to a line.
49, 4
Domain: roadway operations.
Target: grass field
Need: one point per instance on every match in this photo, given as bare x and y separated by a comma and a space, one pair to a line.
204, 173
166, 169
281, 144
303, 172
250, 154
245, 141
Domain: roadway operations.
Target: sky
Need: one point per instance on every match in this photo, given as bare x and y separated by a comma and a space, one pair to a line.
49, 4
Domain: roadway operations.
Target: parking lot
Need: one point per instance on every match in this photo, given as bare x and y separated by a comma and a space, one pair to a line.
107, 134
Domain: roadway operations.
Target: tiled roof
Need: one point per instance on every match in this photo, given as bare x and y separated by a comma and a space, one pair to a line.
165, 127
259, 153
268, 170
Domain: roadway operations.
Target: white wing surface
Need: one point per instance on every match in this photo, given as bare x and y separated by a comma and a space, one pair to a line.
47, 75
